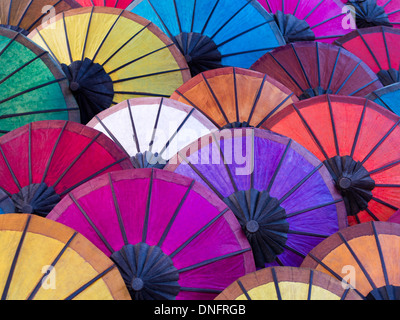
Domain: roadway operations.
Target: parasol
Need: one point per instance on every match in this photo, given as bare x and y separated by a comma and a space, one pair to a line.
365, 256
281, 194
287, 283
304, 20
357, 140
170, 237
235, 97
45, 260
110, 55
121, 4
42, 161
379, 48
387, 97
214, 33
371, 13
311, 68
151, 130
32, 86
25, 15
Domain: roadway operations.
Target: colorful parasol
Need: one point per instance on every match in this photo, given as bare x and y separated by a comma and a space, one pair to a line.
170, 237
387, 97
152, 130
357, 140
42, 161
287, 283
214, 33
282, 195
365, 256
121, 4
110, 55
32, 85
311, 68
379, 48
235, 97
371, 13
45, 260
25, 15
304, 20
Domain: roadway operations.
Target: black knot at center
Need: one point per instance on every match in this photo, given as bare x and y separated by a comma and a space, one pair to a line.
148, 159
369, 14
36, 199
263, 221
353, 182
237, 124
148, 273
200, 51
91, 86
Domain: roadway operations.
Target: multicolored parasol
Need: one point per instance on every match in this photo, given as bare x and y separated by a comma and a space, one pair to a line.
304, 20
25, 15
110, 55
287, 283
371, 13
310, 68
388, 97
32, 85
152, 130
357, 140
281, 194
214, 33
365, 256
170, 237
379, 48
235, 97
42, 161
45, 260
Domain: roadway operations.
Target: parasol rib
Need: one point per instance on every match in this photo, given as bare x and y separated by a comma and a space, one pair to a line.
215, 98
161, 20
155, 125
334, 69
99, 234
76, 159
244, 52
301, 65
313, 208
333, 126
385, 203
41, 17
146, 217
66, 38
172, 220
6, 116
177, 17
313, 9
209, 261
30, 153
53, 151
110, 133
125, 44
198, 233
358, 129
15, 259
87, 34
118, 211
148, 75
348, 77
256, 99
134, 136
89, 283
322, 22
24, 13
53, 264
236, 94
271, 182
243, 290
364, 86
275, 279
301, 233
274, 110
9, 43
310, 284
10, 169
47, 46
201, 290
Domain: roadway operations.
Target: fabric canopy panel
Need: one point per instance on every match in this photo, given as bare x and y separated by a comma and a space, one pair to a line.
152, 130
311, 68
214, 33
110, 55
121, 4
304, 20
365, 256
25, 15
235, 97
388, 97
379, 48
170, 237
371, 13
42, 161
32, 85
45, 260
357, 140
287, 283
281, 194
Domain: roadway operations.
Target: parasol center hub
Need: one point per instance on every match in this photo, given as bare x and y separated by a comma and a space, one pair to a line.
137, 284
27, 209
74, 86
252, 226
345, 183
